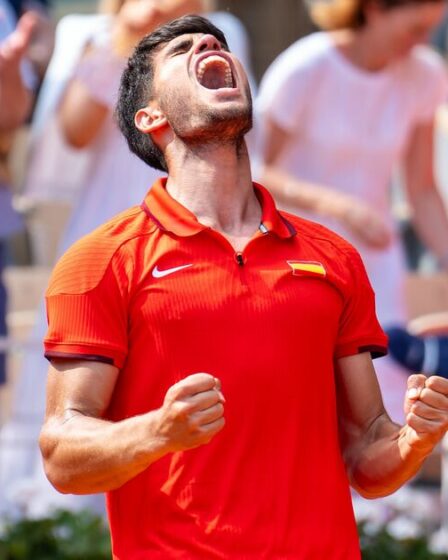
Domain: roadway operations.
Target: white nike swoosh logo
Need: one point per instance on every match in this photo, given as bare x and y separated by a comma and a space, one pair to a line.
157, 273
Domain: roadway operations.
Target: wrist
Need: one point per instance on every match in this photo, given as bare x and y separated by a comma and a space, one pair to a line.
413, 448
339, 207
157, 444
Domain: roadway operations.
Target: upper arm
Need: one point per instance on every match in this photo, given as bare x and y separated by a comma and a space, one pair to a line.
84, 387
80, 115
359, 398
427, 91
419, 159
283, 100
275, 140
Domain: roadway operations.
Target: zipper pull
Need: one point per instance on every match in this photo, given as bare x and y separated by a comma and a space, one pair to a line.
239, 258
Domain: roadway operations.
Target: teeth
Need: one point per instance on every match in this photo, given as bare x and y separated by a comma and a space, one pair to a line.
216, 60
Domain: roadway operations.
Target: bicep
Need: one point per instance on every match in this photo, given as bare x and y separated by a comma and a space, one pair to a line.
359, 397
84, 387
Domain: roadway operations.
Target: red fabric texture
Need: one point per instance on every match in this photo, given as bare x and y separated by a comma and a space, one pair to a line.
272, 485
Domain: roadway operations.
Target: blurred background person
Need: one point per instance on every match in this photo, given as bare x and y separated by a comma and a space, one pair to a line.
79, 154
16, 96
41, 43
342, 109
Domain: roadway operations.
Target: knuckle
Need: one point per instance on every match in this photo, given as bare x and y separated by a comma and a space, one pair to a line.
416, 380
174, 391
219, 409
413, 420
432, 383
416, 411
180, 409
221, 423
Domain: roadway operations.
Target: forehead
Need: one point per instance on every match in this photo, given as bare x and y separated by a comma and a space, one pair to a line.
193, 37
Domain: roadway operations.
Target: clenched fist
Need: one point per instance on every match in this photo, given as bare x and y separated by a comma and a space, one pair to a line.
192, 413
426, 408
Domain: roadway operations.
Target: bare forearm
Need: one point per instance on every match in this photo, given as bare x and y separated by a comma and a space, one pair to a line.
362, 220
80, 116
302, 195
15, 103
91, 94
383, 465
431, 220
86, 455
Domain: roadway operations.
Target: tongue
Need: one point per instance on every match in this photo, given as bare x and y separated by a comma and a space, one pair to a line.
214, 77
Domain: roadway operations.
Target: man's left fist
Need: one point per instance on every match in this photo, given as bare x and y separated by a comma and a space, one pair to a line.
426, 409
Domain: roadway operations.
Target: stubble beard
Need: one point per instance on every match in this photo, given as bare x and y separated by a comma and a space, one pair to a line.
208, 126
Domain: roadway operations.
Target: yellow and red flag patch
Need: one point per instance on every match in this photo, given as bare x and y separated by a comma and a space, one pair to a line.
307, 268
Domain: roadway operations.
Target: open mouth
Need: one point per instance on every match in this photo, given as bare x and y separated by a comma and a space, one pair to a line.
214, 72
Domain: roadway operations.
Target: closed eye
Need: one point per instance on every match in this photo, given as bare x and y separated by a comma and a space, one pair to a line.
181, 47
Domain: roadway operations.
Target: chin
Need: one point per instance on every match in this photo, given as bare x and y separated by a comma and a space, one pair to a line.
228, 123
225, 127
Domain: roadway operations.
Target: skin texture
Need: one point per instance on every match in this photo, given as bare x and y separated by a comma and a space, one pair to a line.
387, 36
15, 98
83, 453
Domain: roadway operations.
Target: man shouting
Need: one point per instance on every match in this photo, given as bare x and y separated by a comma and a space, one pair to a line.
211, 357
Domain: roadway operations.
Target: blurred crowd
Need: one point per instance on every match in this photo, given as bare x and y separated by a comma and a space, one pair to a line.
346, 121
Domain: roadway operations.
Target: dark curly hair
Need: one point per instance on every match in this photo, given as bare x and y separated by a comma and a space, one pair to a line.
136, 83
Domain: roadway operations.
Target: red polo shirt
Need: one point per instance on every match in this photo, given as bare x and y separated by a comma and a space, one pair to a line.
162, 296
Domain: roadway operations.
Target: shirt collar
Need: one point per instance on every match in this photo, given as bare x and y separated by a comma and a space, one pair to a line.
170, 215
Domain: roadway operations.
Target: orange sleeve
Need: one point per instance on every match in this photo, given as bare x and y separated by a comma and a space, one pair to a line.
359, 329
87, 303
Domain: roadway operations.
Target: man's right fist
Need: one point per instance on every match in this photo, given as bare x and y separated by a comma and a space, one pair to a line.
192, 412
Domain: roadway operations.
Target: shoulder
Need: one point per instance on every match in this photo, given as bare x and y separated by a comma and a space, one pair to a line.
322, 237
304, 55
424, 62
84, 264
342, 262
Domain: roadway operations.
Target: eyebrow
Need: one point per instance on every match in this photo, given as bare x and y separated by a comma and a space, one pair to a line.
181, 44
188, 42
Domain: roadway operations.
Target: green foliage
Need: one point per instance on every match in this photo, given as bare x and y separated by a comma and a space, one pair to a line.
381, 545
64, 536
85, 536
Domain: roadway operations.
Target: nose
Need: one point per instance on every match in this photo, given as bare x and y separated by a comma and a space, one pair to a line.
208, 43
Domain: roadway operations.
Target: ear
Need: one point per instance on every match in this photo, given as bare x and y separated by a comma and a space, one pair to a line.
150, 119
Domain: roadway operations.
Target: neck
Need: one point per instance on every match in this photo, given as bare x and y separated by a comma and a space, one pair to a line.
356, 46
214, 182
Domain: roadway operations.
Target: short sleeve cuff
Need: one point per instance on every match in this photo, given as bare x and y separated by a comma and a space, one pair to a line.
377, 347
112, 356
